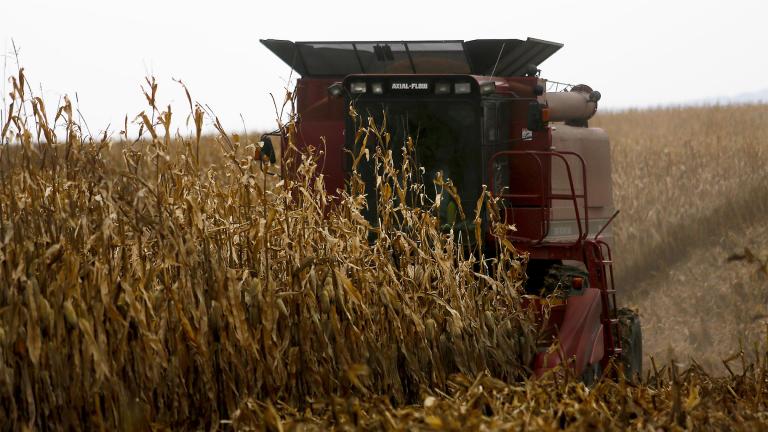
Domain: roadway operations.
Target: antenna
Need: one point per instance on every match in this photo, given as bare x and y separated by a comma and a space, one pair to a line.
498, 58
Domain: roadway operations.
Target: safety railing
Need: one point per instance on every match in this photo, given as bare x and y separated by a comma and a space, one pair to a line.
555, 86
545, 196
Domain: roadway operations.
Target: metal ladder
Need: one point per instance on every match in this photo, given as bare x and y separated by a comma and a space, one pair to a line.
602, 260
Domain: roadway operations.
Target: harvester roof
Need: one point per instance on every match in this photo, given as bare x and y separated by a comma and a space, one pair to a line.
500, 57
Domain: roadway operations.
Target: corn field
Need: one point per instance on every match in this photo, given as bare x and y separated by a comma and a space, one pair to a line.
157, 290
171, 281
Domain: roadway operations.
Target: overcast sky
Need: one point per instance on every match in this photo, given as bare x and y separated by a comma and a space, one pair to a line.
637, 53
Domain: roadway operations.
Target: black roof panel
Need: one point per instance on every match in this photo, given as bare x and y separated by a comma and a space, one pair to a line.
501, 57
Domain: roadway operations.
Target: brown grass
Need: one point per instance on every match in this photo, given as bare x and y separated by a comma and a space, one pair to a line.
692, 186
671, 399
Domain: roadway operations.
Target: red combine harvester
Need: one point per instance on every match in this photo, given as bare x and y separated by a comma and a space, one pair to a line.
481, 115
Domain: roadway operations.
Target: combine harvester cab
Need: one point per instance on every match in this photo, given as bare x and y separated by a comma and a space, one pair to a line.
482, 115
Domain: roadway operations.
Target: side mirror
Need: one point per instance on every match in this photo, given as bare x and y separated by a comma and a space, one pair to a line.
538, 116
267, 151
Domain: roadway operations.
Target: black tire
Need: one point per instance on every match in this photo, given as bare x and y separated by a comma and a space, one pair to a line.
592, 374
631, 343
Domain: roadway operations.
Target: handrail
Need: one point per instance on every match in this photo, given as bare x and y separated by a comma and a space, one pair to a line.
546, 195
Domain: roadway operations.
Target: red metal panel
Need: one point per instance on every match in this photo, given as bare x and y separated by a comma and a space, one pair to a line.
529, 221
581, 330
526, 172
321, 125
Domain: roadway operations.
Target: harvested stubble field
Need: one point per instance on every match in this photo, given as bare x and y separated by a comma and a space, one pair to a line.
170, 282
691, 239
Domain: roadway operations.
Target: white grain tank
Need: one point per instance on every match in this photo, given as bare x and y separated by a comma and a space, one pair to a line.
569, 112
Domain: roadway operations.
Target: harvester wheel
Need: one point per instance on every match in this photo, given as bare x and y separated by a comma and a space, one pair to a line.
592, 374
632, 343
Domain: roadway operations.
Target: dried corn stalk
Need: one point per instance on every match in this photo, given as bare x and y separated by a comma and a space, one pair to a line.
157, 288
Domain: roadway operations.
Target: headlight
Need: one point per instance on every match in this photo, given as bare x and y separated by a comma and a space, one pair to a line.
462, 88
357, 87
376, 88
336, 90
488, 87
442, 88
